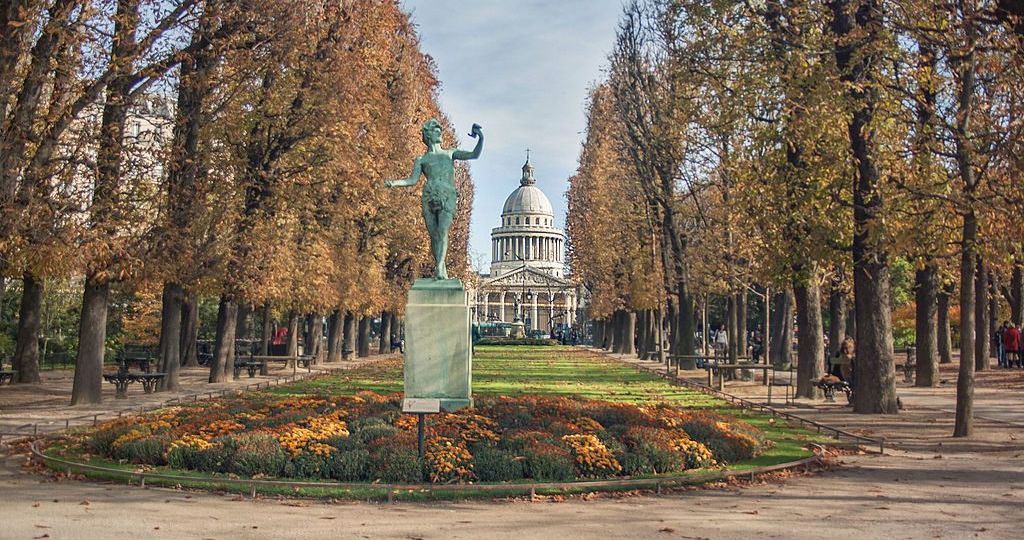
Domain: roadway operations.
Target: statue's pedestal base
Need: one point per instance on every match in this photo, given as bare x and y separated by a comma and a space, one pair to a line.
438, 354
518, 330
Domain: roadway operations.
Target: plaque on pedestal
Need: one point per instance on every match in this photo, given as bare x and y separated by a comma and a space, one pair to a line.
438, 354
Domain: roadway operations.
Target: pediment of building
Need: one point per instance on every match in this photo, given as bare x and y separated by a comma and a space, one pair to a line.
527, 277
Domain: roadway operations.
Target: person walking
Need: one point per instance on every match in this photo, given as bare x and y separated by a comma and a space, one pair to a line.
722, 342
1001, 345
1011, 342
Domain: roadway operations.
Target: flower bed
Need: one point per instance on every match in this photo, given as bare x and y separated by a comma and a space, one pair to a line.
364, 437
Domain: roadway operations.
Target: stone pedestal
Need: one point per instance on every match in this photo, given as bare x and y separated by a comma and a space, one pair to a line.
438, 354
518, 329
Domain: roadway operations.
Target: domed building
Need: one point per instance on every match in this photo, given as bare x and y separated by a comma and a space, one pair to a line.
527, 279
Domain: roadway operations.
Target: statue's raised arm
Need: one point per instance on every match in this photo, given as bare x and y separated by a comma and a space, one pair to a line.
439, 194
478, 133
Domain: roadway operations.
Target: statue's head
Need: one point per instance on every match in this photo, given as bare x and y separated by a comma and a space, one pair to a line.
431, 131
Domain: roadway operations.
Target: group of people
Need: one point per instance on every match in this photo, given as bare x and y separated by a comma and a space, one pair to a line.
1008, 345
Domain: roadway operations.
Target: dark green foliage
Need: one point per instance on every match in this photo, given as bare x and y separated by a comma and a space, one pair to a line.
372, 432
349, 465
549, 462
258, 454
311, 466
101, 441
396, 465
496, 465
145, 451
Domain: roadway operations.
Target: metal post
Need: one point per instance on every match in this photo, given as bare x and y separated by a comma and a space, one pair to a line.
419, 434
766, 338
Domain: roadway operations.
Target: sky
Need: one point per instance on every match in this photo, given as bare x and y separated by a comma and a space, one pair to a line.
521, 69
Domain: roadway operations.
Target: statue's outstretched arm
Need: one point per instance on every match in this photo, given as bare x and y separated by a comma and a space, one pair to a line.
479, 134
417, 169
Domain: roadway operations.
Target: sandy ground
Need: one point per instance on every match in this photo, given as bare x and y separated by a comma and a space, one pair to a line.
927, 485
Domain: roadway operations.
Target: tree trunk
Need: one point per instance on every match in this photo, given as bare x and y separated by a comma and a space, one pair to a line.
836, 320
741, 321
26, 352
364, 337
875, 387
732, 328
598, 326
242, 323
170, 335
92, 335
611, 331
981, 323
993, 312
385, 333
266, 331
944, 329
334, 335
859, 62
782, 329
348, 335
293, 334
927, 325
629, 333
315, 341
396, 330
964, 424
190, 331
1015, 295
810, 344
686, 325
641, 334
224, 341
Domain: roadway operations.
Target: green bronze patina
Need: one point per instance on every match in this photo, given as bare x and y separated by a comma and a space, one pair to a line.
439, 195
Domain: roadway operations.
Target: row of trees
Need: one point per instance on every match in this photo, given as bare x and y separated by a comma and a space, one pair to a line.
806, 148
264, 188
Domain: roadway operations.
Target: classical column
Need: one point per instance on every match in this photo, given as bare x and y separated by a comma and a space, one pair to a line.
486, 308
501, 306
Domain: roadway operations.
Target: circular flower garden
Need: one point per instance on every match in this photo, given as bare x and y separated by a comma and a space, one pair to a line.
364, 437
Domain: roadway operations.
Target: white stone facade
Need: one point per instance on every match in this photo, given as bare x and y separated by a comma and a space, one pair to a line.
527, 280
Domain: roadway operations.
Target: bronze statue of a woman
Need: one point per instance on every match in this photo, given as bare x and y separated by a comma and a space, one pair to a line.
439, 195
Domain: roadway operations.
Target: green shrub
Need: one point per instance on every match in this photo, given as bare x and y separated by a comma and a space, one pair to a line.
101, 441
188, 458
306, 465
349, 465
372, 432
496, 465
145, 451
634, 464
549, 462
396, 465
345, 444
257, 454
